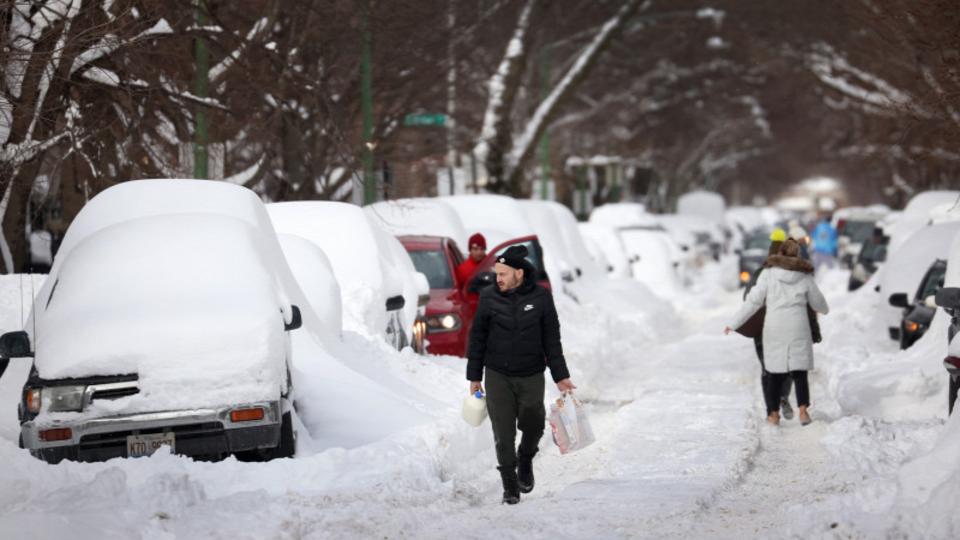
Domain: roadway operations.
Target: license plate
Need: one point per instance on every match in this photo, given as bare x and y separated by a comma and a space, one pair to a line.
145, 445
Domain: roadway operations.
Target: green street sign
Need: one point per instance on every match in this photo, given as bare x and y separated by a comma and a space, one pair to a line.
435, 119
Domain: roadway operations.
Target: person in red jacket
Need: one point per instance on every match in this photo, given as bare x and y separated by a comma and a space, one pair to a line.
478, 250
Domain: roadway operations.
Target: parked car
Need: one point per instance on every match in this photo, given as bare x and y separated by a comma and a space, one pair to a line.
906, 266
452, 303
854, 227
448, 314
753, 255
918, 311
872, 254
381, 289
165, 321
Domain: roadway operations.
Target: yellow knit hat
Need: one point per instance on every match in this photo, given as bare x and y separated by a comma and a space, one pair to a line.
778, 235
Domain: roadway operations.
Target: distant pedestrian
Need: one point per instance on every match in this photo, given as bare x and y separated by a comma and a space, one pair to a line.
515, 336
477, 246
777, 237
824, 244
786, 288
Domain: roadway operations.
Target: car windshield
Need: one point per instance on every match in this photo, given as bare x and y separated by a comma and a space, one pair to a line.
433, 265
934, 280
758, 241
858, 231
873, 251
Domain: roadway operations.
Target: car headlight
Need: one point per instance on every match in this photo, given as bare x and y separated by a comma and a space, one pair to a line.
62, 398
445, 322
744, 276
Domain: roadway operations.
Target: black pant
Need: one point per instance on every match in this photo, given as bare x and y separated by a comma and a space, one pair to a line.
775, 382
515, 402
765, 375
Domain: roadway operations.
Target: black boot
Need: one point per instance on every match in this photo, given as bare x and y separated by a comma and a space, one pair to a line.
525, 472
511, 489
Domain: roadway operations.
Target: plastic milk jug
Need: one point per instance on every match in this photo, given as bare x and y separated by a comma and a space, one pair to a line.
475, 409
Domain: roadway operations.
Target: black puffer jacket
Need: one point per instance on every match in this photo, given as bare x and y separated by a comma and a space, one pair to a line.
516, 333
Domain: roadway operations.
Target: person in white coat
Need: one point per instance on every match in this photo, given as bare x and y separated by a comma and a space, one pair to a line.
786, 288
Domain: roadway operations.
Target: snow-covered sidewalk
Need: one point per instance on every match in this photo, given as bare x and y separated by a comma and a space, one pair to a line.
677, 424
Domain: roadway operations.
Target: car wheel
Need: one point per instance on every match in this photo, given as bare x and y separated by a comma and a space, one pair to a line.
288, 439
952, 393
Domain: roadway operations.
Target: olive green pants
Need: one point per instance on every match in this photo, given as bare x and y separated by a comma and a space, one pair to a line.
515, 402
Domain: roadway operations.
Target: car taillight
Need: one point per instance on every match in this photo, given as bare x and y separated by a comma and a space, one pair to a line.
911, 326
32, 398
59, 434
246, 415
744, 276
951, 362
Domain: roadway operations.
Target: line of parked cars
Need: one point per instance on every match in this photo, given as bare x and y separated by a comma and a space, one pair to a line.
167, 315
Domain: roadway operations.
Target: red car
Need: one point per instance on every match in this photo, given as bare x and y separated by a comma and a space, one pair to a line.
453, 303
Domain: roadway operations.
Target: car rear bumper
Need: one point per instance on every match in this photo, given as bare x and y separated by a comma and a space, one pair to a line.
197, 432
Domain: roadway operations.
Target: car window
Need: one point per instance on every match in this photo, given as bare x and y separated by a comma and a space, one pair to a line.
933, 281
858, 231
759, 242
433, 264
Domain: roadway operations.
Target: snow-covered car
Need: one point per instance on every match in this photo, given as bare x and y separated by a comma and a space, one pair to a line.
605, 246
753, 254
381, 290
918, 309
872, 254
917, 214
854, 226
906, 266
164, 321
948, 298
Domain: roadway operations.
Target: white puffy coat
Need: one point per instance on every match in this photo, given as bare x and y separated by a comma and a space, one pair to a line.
787, 343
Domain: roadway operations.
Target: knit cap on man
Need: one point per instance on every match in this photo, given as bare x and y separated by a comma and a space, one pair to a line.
514, 257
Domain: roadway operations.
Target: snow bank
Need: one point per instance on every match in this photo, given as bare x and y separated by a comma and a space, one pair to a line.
653, 260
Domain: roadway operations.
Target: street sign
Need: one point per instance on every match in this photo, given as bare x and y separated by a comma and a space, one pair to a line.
435, 119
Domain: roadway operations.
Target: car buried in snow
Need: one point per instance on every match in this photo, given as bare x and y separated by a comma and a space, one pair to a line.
165, 322
918, 311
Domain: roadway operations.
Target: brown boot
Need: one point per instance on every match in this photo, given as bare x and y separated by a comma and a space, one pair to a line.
773, 418
804, 417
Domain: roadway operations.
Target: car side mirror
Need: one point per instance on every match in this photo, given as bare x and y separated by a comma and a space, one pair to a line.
15, 345
395, 303
930, 301
481, 280
948, 297
296, 319
899, 300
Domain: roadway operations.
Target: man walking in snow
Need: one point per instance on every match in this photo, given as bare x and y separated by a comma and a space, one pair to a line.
515, 336
478, 250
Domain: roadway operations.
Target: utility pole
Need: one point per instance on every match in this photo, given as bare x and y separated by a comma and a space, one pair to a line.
545, 138
201, 81
366, 96
451, 92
